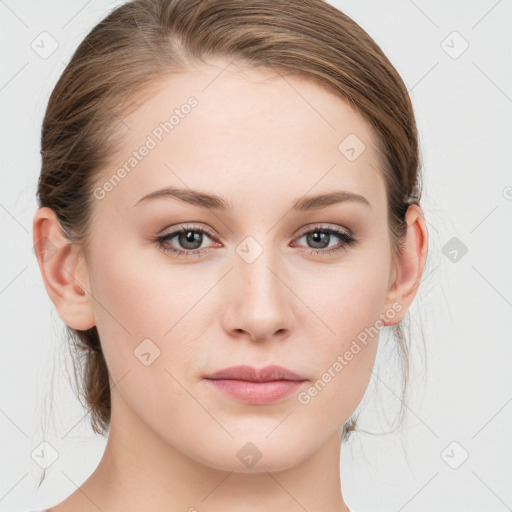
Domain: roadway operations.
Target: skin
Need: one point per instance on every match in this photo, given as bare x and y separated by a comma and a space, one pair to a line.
258, 143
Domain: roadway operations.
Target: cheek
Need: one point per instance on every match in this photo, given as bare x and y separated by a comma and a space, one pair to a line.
134, 292
145, 311
350, 300
351, 307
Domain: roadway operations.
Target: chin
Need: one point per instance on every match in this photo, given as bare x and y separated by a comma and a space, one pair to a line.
253, 457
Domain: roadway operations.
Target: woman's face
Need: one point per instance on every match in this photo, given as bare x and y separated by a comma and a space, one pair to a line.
267, 288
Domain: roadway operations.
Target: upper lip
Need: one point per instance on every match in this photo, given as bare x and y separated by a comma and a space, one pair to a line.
248, 373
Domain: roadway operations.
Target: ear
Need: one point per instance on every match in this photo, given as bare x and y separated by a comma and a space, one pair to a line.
406, 275
63, 270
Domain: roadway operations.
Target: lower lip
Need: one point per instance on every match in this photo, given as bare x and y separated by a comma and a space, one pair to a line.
256, 393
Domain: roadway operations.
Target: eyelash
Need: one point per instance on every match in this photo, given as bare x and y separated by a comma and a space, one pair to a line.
347, 240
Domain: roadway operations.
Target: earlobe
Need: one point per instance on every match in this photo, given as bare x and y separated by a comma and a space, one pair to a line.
64, 274
410, 265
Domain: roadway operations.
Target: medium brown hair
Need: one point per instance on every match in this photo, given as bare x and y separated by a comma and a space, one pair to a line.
144, 41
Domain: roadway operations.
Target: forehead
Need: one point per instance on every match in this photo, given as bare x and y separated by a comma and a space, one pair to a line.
225, 129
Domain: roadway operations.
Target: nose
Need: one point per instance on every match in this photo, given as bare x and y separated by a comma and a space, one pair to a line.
259, 302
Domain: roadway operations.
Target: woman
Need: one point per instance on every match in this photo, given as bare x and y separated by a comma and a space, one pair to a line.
229, 214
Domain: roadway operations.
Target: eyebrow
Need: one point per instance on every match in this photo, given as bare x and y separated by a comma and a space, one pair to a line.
214, 202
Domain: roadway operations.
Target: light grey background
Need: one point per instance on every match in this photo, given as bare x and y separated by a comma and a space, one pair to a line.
463, 105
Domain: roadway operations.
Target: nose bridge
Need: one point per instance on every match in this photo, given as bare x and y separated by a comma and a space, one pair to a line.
256, 266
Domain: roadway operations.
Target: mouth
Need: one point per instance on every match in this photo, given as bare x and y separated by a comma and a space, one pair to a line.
256, 387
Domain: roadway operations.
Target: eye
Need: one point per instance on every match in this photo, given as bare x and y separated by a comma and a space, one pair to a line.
191, 238
320, 237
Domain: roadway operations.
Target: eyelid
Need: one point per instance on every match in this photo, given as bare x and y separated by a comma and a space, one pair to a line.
320, 226
191, 226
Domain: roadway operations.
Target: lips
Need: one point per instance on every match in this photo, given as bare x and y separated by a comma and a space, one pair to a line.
253, 386
248, 373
